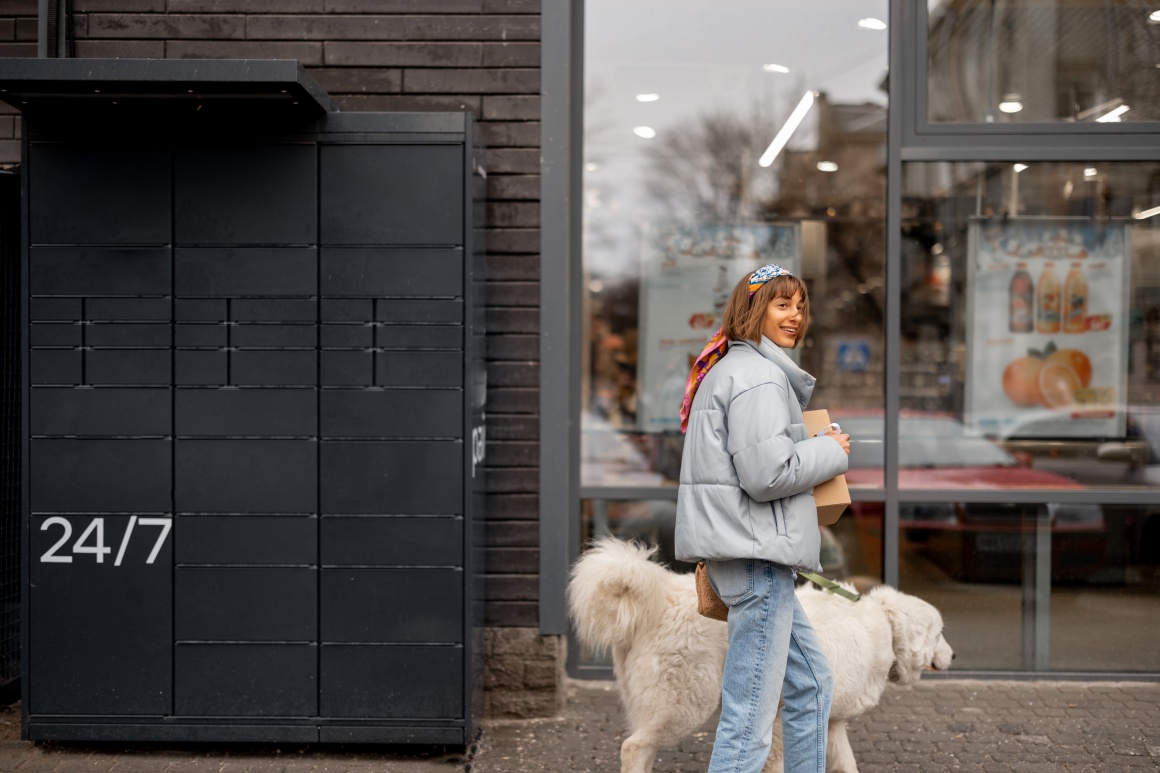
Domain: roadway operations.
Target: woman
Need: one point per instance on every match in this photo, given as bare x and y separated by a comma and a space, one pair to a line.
745, 506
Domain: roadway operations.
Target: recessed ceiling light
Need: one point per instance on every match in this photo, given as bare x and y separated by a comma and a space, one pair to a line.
1154, 17
1090, 172
1011, 104
870, 23
1019, 168
647, 132
827, 166
783, 69
647, 97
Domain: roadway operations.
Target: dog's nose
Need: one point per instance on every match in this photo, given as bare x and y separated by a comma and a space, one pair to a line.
952, 656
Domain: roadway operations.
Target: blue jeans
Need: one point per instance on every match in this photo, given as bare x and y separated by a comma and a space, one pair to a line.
770, 642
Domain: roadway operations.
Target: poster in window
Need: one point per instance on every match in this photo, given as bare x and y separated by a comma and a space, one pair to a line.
688, 273
1047, 333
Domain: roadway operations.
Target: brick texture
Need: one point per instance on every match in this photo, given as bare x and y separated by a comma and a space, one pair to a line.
481, 56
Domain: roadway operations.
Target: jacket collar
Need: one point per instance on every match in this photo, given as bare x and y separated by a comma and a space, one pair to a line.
801, 382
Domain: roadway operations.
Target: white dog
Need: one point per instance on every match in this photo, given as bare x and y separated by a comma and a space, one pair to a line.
668, 659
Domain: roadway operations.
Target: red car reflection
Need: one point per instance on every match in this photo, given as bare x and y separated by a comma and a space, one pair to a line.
976, 541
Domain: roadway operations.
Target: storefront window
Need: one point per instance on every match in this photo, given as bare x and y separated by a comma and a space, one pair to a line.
1043, 61
715, 143
1030, 351
1043, 587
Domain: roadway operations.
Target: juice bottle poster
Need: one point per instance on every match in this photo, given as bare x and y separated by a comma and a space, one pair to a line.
1065, 375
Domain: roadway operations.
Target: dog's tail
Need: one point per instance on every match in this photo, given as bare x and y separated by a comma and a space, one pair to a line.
614, 590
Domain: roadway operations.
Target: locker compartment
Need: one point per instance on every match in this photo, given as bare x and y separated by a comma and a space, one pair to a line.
246, 194
403, 477
193, 368
266, 368
274, 336
99, 194
391, 272
246, 476
347, 368
54, 334
223, 412
99, 271
246, 680
392, 194
400, 681
128, 334
391, 541
348, 336
273, 310
54, 309
89, 655
110, 411
246, 539
55, 366
347, 310
245, 271
97, 475
419, 369
128, 309
201, 335
419, 336
402, 310
392, 413
392, 605
200, 309
245, 604
129, 366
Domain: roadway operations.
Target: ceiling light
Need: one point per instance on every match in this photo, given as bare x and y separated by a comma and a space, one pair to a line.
870, 23
647, 97
827, 166
775, 68
1090, 172
1019, 168
1114, 115
1147, 213
647, 132
791, 124
1011, 103
1154, 17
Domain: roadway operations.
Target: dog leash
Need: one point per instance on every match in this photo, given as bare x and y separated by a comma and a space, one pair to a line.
829, 585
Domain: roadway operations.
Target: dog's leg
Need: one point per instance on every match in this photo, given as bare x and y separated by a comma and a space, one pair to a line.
638, 753
839, 755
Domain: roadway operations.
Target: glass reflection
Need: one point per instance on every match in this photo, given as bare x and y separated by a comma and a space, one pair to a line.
1023, 586
715, 143
1026, 344
1026, 61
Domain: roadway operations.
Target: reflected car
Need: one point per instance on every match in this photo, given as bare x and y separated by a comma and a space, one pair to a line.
978, 541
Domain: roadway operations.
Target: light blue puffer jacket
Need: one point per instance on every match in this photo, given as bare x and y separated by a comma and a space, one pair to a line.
748, 471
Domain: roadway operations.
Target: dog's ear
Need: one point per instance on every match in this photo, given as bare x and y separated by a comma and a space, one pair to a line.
908, 635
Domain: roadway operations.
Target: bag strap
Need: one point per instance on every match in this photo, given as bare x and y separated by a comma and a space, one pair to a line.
829, 585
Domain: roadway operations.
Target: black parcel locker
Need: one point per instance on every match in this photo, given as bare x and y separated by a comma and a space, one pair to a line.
254, 406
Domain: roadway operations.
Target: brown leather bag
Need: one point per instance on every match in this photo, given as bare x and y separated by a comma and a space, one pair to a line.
709, 603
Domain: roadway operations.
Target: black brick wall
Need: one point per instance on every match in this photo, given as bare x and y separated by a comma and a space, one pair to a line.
477, 55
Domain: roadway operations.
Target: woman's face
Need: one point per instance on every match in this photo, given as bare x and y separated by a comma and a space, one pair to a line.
783, 320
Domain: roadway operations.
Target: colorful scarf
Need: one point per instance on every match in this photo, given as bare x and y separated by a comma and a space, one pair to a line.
718, 344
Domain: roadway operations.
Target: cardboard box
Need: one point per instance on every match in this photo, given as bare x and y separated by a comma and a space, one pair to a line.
833, 496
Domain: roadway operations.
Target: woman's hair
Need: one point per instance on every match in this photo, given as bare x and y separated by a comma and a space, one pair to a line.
744, 315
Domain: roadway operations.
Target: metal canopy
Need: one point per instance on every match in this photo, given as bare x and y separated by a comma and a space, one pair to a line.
143, 89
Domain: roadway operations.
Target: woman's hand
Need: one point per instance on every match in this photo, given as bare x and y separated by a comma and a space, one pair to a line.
842, 438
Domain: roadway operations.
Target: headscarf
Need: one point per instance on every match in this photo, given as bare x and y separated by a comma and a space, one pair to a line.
718, 344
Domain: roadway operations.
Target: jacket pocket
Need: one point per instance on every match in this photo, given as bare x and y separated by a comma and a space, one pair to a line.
733, 579
778, 510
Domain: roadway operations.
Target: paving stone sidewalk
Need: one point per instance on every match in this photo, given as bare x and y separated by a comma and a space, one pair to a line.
936, 726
